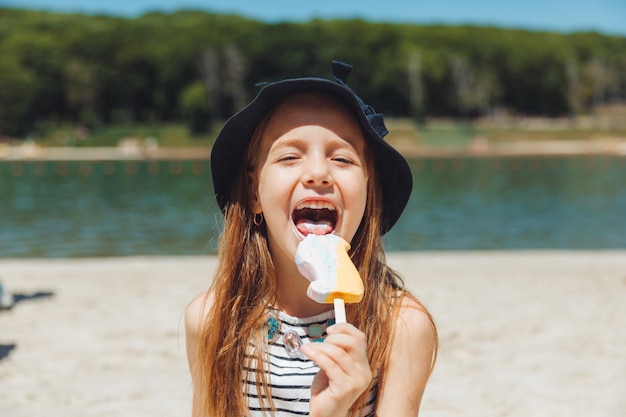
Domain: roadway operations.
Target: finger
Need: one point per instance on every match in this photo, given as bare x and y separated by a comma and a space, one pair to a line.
347, 337
344, 373
345, 328
337, 362
326, 355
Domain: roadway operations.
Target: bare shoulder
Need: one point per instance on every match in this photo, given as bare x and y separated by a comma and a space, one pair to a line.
196, 312
413, 351
415, 336
415, 324
195, 317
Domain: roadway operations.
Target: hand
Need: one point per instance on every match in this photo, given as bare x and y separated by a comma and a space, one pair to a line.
344, 370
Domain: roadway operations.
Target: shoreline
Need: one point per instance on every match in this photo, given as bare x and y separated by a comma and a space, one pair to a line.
477, 149
522, 333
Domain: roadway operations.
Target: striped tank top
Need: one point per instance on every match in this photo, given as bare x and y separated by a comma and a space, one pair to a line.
290, 378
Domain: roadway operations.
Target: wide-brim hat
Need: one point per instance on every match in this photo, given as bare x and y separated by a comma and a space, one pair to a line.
230, 146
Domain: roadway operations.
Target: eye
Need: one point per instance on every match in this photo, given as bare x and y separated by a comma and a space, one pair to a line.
344, 160
287, 158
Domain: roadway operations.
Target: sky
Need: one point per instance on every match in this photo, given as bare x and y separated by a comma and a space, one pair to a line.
605, 16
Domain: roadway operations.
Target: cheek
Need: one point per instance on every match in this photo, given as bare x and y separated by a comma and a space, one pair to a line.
363, 195
358, 195
363, 199
264, 193
273, 188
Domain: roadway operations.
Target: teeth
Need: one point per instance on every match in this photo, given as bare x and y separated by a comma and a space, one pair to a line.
315, 205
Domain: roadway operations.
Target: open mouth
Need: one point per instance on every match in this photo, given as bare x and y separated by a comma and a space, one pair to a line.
315, 217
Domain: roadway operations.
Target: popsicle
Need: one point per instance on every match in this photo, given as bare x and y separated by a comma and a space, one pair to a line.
324, 260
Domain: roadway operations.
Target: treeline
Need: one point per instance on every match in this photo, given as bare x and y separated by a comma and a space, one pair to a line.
200, 67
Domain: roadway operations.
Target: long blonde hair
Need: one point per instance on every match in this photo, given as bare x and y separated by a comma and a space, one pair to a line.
245, 284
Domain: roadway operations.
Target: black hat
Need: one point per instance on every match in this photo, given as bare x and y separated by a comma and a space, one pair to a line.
230, 146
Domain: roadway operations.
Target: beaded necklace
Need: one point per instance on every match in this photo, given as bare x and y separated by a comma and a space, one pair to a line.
292, 341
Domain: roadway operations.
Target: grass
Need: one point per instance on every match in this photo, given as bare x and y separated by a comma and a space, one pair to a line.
166, 135
403, 133
451, 133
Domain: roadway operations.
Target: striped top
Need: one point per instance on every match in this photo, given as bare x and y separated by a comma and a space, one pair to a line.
290, 378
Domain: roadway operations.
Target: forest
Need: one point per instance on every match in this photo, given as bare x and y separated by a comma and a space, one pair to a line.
199, 67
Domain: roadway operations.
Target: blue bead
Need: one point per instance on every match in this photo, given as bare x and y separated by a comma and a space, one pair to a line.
272, 327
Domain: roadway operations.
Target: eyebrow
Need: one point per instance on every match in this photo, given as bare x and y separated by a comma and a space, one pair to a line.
295, 141
299, 142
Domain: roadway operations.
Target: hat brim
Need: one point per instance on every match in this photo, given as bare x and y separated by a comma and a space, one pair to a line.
230, 146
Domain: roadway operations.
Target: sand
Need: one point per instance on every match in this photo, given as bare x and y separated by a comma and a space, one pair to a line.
522, 334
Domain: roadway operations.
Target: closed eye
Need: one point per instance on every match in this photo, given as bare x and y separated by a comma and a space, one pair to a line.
344, 160
287, 158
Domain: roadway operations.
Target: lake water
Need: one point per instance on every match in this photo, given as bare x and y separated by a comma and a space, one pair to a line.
79, 209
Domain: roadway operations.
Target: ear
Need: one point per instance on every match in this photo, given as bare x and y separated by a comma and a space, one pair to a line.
253, 194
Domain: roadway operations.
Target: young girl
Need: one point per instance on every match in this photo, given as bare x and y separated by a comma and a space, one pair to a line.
306, 155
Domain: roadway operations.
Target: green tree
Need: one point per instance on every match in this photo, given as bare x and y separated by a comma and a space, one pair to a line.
195, 108
72, 67
16, 92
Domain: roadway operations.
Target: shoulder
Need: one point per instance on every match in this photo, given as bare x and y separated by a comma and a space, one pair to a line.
415, 337
196, 312
413, 351
414, 323
195, 316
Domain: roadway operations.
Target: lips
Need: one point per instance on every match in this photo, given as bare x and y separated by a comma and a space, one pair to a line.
315, 217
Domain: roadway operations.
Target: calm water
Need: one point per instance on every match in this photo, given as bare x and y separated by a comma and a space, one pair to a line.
76, 209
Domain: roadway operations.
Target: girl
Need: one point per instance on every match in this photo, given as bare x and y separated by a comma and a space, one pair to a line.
306, 154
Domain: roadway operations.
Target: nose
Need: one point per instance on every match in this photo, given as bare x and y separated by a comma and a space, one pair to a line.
317, 172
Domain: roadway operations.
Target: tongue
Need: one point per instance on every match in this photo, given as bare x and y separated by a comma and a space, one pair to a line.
307, 227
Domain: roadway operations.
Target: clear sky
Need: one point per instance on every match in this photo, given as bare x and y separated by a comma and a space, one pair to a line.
606, 16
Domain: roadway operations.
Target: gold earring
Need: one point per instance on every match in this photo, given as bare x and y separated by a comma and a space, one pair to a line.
258, 221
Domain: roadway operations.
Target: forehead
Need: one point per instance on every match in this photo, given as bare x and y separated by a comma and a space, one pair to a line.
314, 109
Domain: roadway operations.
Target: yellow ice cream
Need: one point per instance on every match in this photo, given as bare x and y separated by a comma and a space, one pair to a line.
324, 261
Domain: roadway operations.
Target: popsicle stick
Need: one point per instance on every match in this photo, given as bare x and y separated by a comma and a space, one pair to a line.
340, 310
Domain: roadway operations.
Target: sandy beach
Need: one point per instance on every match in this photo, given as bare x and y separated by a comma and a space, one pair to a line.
529, 333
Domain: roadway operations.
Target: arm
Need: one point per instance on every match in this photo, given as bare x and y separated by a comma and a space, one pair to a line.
195, 315
409, 365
